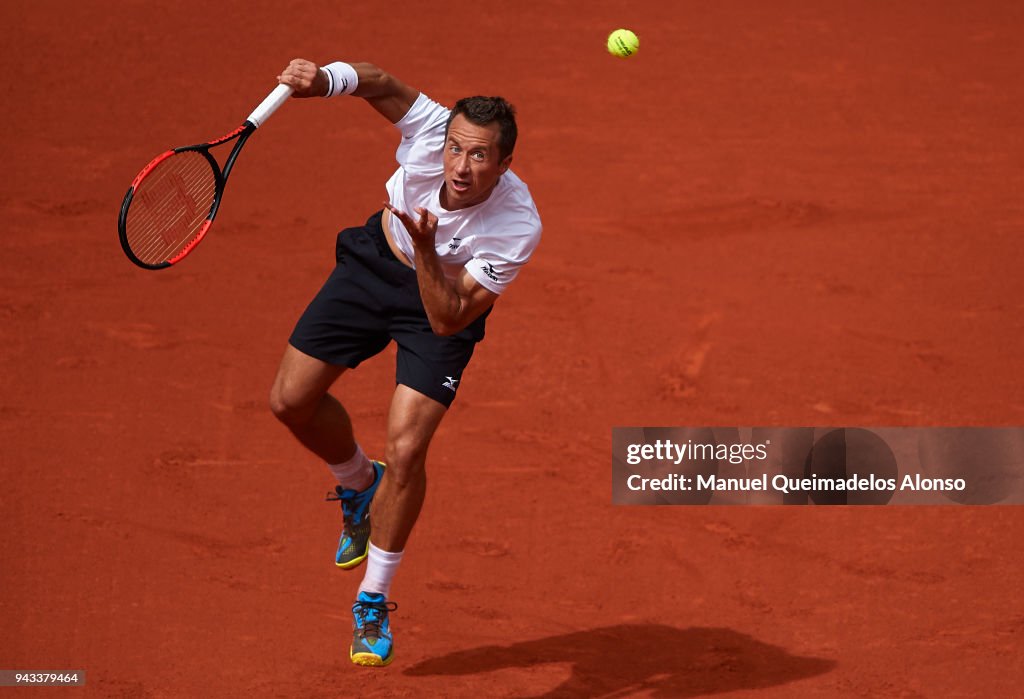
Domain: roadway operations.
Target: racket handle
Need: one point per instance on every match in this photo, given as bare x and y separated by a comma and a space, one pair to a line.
268, 106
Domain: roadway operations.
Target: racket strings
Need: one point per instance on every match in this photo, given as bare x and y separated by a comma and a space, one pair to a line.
170, 206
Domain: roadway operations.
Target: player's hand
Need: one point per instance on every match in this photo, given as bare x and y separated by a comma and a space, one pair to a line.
423, 230
305, 78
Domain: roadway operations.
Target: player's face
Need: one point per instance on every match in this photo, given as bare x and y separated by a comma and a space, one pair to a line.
472, 163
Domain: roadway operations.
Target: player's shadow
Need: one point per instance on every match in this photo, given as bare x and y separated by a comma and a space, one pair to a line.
621, 660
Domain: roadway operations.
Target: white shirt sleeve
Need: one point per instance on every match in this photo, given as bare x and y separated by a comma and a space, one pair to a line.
492, 272
422, 130
518, 230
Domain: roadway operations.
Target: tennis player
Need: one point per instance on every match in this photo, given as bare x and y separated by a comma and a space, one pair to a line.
424, 272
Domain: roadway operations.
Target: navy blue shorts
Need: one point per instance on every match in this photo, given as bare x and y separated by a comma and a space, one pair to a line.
371, 299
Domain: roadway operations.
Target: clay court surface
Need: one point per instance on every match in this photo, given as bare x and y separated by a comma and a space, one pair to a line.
803, 214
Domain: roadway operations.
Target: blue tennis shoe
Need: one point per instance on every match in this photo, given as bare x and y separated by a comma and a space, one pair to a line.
371, 630
354, 543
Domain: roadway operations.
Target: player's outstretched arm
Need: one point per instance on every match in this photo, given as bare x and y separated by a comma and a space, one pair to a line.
450, 306
387, 94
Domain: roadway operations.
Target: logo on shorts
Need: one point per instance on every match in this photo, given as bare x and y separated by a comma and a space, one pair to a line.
489, 271
454, 245
450, 383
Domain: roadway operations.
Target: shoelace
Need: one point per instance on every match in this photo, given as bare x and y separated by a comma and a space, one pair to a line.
346, 497
370, 616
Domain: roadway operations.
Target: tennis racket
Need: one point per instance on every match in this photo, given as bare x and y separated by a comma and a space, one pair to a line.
171, 204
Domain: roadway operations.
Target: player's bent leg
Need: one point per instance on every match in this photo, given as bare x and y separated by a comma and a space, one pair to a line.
299, 399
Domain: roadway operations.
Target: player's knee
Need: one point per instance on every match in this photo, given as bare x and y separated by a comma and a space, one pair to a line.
406, 459
288, 405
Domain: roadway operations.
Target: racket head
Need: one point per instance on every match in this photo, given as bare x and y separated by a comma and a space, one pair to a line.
169, 207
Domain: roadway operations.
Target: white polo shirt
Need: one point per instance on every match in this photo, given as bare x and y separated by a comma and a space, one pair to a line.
492, 239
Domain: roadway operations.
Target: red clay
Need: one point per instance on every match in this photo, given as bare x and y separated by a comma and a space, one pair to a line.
785, 215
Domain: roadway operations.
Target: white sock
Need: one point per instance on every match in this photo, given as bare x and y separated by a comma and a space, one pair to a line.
381, 567
357, 473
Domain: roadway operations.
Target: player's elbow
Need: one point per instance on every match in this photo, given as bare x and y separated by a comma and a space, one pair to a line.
455, 318
447, 324
444, 328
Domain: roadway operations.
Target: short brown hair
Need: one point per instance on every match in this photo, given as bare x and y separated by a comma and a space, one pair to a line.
488, 110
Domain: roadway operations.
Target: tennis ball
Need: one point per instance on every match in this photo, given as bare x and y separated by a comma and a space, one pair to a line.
623, 43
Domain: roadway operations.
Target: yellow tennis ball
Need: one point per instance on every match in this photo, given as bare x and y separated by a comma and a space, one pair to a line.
623, 43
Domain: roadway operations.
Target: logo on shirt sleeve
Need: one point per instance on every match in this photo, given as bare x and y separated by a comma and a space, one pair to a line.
454, 244
488, 270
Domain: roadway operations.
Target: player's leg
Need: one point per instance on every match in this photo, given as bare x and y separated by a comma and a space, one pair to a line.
344, 324
412, 422
428, 373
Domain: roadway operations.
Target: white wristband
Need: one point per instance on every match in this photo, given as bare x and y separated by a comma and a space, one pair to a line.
341, 79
